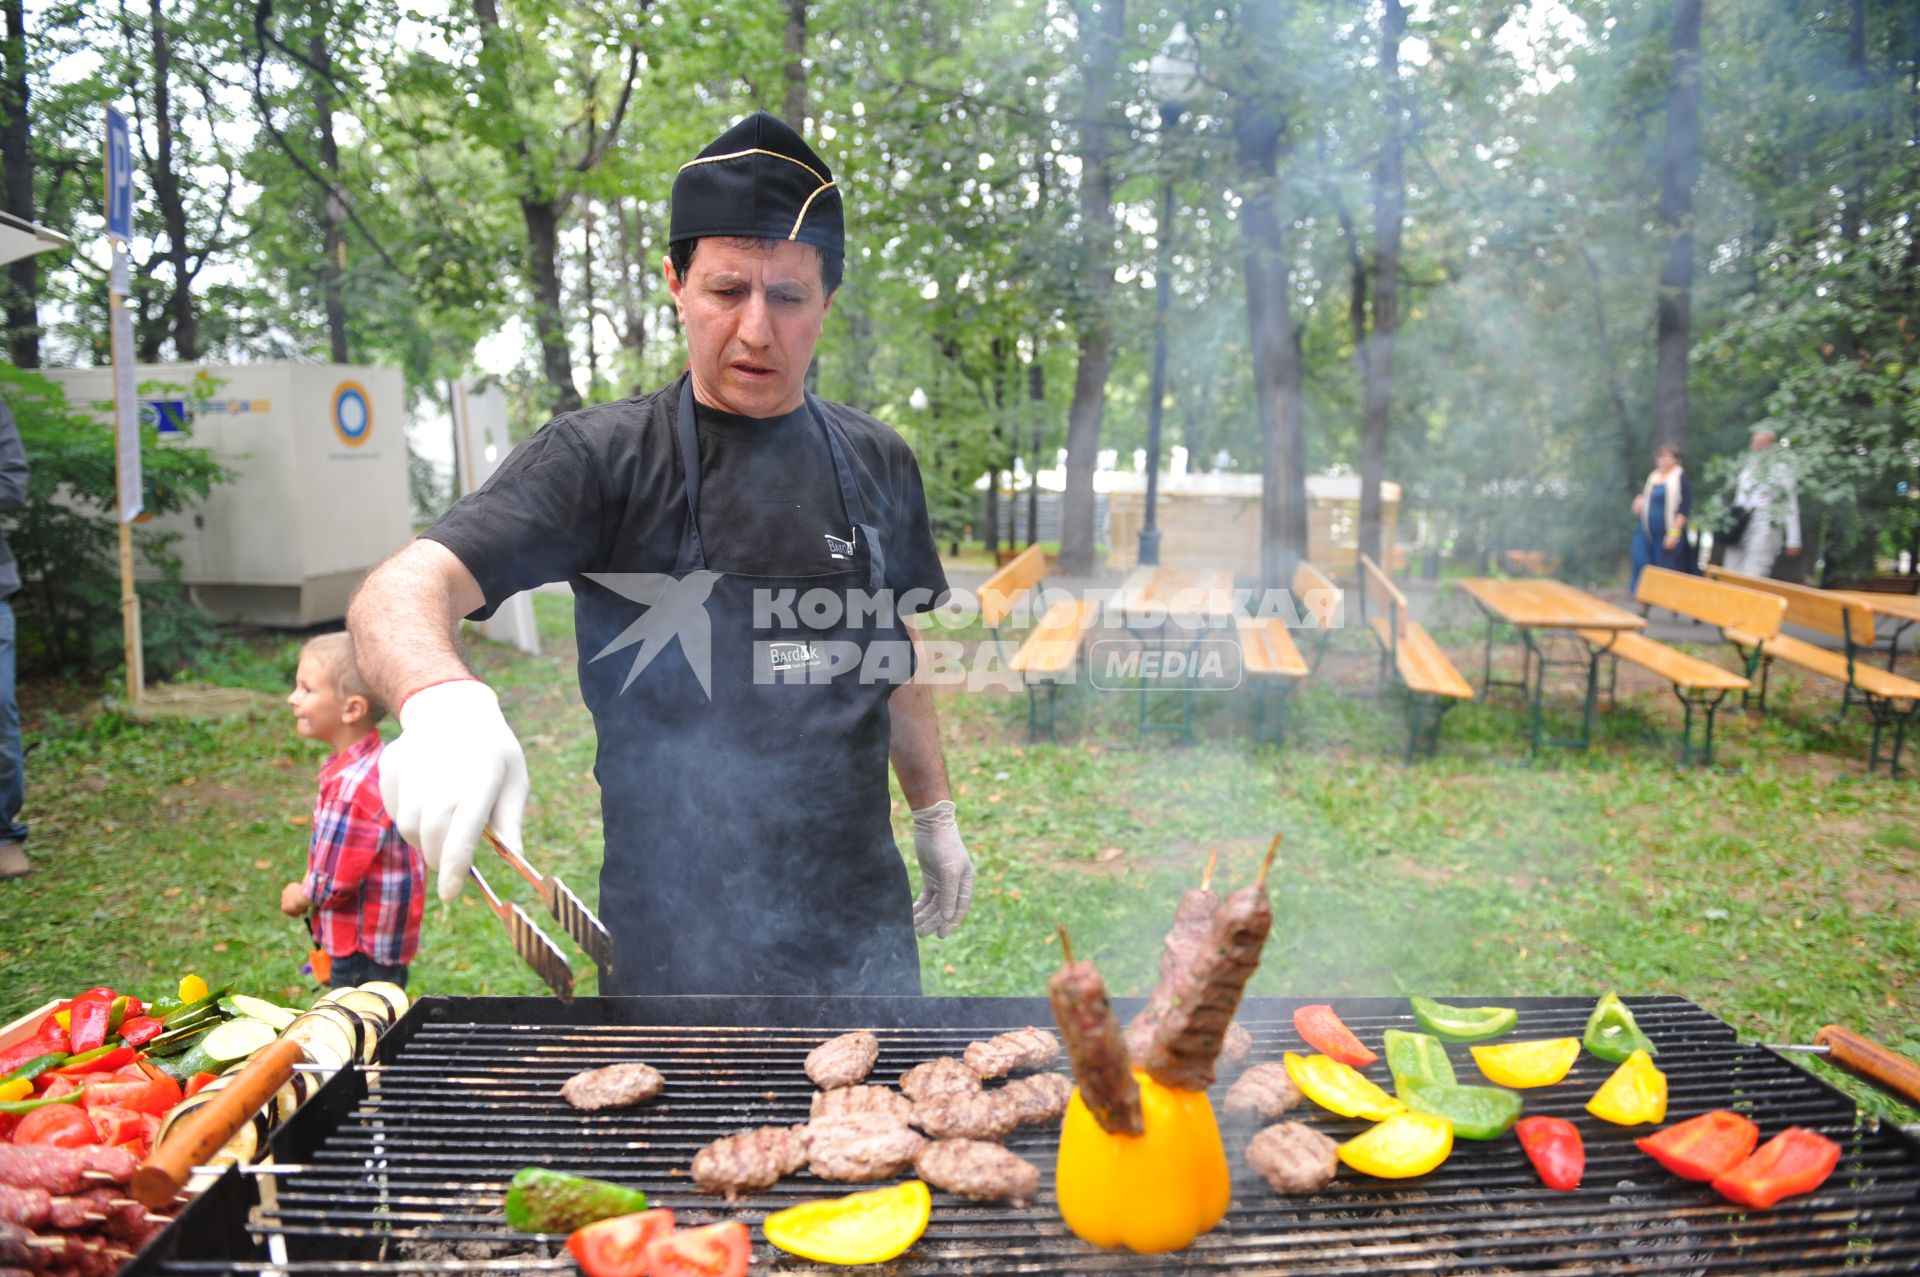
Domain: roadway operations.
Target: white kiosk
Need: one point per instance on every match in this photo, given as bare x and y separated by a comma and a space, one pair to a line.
319, 488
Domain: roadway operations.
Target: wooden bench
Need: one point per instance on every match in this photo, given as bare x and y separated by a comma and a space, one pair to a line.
1697, 683
1047, 655
1849, 619
1270, 658
1432, 685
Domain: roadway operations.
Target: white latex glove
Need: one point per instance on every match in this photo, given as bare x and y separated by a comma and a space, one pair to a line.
454, 769
946, 871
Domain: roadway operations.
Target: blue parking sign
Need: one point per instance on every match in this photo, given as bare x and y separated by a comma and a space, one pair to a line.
119, 177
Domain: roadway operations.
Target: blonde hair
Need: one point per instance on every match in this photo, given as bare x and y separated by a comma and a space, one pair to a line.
334, 652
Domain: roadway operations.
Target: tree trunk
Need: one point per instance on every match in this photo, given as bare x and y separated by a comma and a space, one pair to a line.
1037, 407
1674, 313
795, 106
634, 275
586, 291
16, 156
1389, 209
1622, 420
1102, 29
543, 263
166, 192
333, 218
1258, 125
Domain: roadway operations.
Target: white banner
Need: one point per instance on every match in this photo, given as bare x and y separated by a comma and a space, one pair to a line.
126, 415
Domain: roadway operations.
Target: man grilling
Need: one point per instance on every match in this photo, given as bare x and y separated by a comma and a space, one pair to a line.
708, 529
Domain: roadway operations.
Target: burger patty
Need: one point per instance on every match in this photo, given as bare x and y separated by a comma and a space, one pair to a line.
978, 1171
843, 1061
1028, 1048
969, 1115
1293, 1158
751, 1159
1236, 1046
1263, 1092
859, 1149
616, 1086
851, 1101
1038, 1100
944, 1076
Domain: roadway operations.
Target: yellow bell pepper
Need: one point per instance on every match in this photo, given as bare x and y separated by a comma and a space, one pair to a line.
1339, 1088
64, 1019
18, 1089
860, 1228
1636, 1093
1405, 1145
1151, 1192
192, 988
1528, 1064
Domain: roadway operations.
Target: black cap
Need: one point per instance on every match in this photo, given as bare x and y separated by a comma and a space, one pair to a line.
758, 180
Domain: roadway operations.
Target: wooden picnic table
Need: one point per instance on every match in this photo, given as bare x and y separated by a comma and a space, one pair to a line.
1546, 612
1173, 609
1901, 608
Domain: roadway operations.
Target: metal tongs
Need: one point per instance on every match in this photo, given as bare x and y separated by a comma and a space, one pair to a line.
568, 909
531, 943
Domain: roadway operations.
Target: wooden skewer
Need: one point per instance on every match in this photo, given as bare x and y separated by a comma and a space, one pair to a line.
1273, 849
1206, 879
1066, 945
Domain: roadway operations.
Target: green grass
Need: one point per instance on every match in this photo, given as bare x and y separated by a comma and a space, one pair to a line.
1780, 898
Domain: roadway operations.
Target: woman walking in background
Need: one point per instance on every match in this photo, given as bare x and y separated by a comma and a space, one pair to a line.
1661, 509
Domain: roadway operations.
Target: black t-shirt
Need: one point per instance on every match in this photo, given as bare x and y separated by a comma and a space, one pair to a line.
602, 490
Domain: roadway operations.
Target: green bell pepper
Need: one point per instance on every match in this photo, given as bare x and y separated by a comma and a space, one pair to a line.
1474, 1112
35, 1067
17, 1107
1417, 1057
1613, 1034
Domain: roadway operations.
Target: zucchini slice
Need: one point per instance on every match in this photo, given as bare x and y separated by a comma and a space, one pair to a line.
259, 1009
237, 1039
325, 1040
371, 1005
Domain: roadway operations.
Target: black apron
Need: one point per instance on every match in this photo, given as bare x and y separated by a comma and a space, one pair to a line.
749, 848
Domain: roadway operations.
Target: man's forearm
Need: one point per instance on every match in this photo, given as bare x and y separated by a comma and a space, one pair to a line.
402, 620
915, 748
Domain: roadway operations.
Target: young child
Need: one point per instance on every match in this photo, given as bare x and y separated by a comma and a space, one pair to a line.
365, 885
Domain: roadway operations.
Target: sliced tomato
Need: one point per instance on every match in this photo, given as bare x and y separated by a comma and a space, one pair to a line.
1326, 1033
617, 1247
1702, 1148
115, 1092
718, 1250
57, 1084
56, 1126
199, 1081
115, 1125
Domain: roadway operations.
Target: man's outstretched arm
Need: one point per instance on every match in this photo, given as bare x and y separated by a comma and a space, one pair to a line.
455, 767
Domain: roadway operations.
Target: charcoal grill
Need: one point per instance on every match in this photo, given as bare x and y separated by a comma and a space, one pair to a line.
399, 1169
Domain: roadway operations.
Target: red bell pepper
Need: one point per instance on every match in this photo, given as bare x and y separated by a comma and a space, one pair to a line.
32, 1049
1554, 1147
1793, 1162
91, 1014
106, 1061
1702, 1148
1326, 1033
140, 1029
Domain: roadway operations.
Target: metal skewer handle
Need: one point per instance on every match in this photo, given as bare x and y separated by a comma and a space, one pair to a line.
1891, 1072
206, 1130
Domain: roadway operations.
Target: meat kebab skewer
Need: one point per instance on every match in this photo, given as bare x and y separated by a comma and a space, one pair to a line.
1186, 940
1094, 1047
1188, 1038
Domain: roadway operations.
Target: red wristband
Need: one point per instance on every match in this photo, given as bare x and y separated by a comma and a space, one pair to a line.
461, 678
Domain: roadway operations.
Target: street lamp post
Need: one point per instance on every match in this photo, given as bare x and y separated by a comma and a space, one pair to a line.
1173, 76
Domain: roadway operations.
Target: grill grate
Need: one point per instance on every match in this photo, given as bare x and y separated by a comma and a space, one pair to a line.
400, 1170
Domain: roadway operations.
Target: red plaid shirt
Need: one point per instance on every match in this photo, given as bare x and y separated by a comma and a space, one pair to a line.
368, 887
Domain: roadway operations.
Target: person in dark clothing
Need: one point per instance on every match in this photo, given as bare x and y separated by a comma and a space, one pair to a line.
726, 537
13, 771
1661, 512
